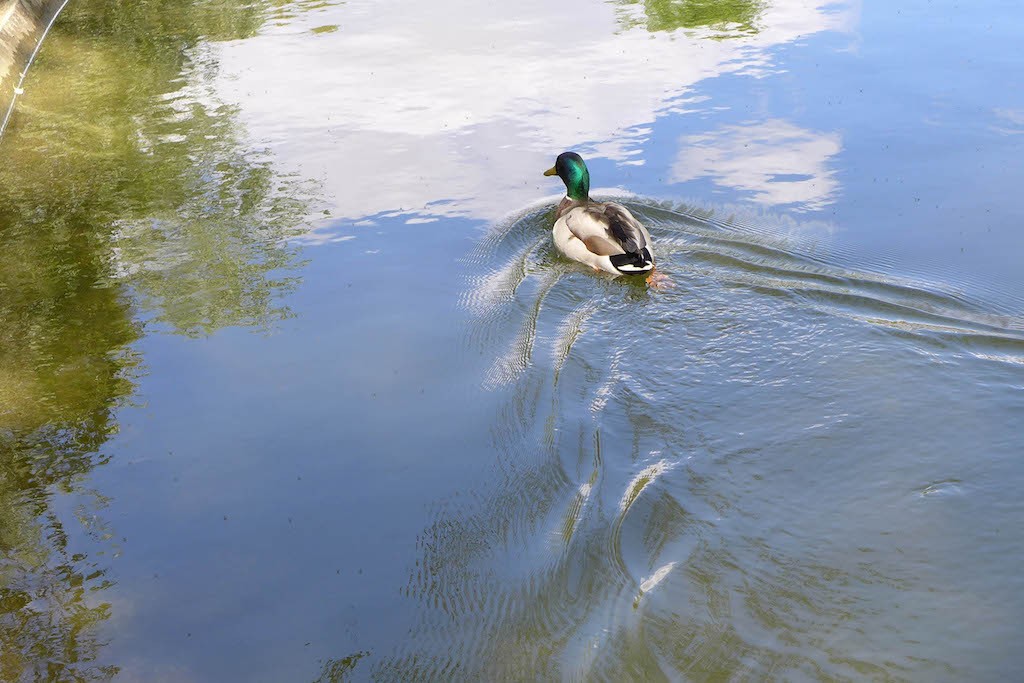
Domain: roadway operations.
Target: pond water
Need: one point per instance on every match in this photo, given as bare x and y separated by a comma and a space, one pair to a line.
294, 388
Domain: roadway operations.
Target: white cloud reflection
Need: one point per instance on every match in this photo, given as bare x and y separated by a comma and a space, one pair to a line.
410, 103
778, 162
1011, 121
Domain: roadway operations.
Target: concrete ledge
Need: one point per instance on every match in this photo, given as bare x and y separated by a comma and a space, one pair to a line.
22, 25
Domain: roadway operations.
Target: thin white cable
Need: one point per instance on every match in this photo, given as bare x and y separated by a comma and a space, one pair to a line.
18, 90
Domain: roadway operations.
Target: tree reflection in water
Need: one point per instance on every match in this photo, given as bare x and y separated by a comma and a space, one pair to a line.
127, 193
729, 18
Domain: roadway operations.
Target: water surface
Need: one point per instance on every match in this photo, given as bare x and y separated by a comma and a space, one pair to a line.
294, 386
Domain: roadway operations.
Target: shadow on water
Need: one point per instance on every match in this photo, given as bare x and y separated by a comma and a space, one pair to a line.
662, 454
128, 200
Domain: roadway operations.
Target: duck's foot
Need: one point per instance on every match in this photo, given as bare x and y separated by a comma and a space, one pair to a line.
659, 280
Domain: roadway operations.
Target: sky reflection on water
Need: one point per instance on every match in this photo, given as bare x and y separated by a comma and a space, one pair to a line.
445, 452
488, 106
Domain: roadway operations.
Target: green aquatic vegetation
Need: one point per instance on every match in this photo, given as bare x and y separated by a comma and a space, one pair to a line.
337, 670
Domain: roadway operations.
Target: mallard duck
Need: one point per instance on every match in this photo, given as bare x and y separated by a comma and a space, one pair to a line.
603, 235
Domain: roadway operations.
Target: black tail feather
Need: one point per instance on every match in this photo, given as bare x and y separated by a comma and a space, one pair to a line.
637, 262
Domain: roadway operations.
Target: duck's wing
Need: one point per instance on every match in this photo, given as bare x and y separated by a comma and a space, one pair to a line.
607, 229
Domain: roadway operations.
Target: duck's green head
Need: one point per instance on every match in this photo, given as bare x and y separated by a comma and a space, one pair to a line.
570, 168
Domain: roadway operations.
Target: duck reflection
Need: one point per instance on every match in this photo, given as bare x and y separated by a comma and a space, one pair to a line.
142, 203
